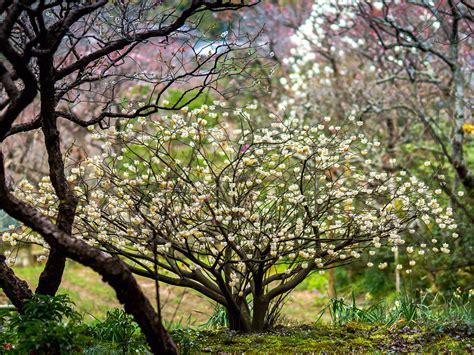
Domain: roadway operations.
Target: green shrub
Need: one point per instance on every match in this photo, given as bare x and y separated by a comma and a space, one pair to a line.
48, 325
188, 340
51, 325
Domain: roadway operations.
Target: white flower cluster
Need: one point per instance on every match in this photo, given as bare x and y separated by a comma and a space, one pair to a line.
324, 33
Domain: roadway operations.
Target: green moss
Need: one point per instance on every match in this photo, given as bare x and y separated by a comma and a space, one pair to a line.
352, 337
446, 343
360, 343
358, 327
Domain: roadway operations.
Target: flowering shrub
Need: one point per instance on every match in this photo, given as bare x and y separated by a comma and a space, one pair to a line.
243, 214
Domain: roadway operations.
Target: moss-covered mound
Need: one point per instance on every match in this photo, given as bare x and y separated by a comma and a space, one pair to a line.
352, 337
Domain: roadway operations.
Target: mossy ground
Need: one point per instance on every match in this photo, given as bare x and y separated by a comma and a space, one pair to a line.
352, 337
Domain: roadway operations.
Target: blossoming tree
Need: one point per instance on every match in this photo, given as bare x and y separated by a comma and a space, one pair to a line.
242, 214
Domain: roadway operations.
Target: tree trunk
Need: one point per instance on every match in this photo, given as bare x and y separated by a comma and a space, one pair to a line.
457, 94
16, 289
460, 165
237, 323
260, 309
331, 283
239, 318
397, 272
50, 278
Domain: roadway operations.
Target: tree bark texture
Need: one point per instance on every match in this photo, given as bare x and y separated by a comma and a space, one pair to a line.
16, 289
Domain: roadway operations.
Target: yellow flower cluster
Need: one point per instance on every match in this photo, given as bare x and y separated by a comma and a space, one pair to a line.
468, 128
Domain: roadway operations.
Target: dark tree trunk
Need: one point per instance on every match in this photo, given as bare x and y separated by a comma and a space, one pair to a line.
239, 315
241, 321
16, 289
260, 309
238, 322
51, 277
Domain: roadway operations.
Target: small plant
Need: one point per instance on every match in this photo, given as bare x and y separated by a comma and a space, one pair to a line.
218, 319
49, 308
342, 313
187, 339
229, 336
445, 313
407, 308
379, 313
119, 330
456, 312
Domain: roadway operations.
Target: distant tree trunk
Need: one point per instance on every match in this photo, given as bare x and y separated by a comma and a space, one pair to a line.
457, 94
463, 171
331, 284
397, 272
391, 125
